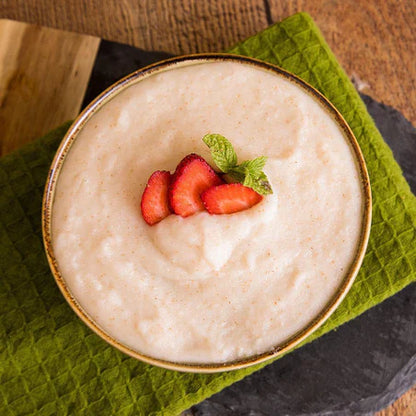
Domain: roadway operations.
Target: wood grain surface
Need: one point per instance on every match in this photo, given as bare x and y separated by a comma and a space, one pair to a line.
43, 76
374, 40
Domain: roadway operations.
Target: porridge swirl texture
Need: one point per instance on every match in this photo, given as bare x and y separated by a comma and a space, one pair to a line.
207, 288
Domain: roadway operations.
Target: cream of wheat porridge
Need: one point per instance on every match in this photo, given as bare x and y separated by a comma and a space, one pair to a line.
207, 288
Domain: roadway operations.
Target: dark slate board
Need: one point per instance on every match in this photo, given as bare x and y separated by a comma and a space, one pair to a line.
356, 370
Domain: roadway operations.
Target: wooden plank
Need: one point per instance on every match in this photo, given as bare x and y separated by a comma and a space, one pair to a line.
43, 76
374, 40
404, 406
176, 26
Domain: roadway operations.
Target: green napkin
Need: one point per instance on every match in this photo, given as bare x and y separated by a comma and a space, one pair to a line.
51, 363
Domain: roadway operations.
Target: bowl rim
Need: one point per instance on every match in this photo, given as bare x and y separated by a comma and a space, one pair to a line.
138, 76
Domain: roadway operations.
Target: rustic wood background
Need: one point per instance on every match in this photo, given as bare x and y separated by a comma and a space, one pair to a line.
43, 76
374, 40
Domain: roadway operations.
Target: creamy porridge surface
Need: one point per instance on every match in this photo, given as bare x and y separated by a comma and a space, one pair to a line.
207, 288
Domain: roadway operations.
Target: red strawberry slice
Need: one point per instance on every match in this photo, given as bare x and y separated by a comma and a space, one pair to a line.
193, 176
229, 198
155, 204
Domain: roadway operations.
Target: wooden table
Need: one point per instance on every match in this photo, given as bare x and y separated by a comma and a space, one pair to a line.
374, 40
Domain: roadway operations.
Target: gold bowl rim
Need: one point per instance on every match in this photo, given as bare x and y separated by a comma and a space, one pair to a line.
138, 76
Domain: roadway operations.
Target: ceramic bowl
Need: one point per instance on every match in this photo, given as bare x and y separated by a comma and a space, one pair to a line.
137, 76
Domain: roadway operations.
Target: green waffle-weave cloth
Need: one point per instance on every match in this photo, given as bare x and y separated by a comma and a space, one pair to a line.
52, 364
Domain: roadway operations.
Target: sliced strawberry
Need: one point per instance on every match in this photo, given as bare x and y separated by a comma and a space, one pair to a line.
193, 176
229, 198
155, 203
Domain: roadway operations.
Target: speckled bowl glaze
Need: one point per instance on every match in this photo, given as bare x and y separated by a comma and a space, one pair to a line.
142, 74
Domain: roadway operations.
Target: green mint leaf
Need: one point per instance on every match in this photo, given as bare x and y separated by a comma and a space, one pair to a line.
263, 185
239, 170
222, 151
260, 184
249, 181
236, 176
249, 173
256, 165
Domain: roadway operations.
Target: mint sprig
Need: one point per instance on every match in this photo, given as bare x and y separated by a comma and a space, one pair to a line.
249, 173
